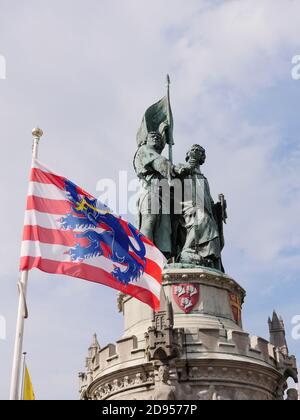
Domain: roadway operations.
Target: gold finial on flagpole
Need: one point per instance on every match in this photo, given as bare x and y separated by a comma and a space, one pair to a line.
37, 132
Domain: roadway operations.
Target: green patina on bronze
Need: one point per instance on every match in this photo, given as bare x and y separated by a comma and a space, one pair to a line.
194, 237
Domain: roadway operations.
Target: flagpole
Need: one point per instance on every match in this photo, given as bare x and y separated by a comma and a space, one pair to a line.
22, 309
170, 134
23, 375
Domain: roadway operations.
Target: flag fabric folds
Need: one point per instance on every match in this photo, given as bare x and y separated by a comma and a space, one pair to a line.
28, 392
158, 117
67, 231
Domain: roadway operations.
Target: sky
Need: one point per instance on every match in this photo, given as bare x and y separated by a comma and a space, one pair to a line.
85, 71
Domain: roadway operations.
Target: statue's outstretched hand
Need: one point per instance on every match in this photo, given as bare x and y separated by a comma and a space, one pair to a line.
182, 170
163, 127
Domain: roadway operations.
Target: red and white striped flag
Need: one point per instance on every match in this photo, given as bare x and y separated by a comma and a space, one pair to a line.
67, 231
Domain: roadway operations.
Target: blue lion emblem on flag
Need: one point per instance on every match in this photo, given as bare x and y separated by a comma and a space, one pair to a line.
88, 213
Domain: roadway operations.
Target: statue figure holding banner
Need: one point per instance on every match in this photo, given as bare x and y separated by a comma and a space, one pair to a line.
152, 169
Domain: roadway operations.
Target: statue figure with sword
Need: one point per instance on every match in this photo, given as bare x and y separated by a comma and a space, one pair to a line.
194, 237
201, 217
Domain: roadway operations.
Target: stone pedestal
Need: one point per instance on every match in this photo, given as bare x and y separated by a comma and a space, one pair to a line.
194, 348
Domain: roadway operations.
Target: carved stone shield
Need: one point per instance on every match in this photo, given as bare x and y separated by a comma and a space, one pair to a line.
236, 307
186, 295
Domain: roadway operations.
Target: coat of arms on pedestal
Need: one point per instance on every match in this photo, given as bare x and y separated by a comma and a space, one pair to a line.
186, 295
236, 307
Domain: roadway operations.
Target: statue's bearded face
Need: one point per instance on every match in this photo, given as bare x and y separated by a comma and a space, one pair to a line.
155, 140
197, 153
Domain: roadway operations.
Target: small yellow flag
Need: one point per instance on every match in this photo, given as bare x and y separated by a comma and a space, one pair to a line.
28, 393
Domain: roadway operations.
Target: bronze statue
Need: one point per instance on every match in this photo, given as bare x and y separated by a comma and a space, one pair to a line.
195, 236
200, 216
